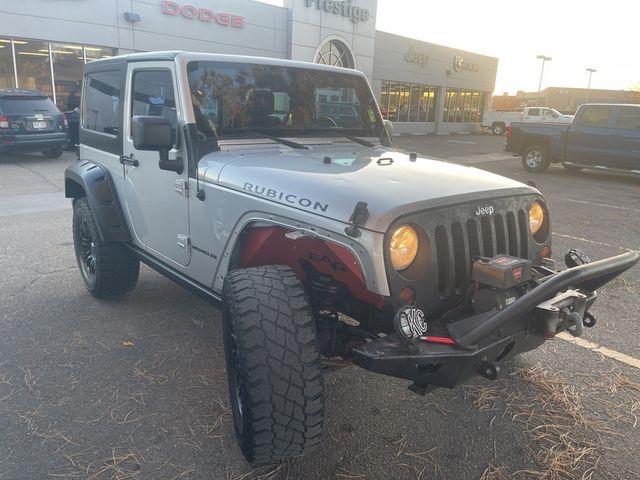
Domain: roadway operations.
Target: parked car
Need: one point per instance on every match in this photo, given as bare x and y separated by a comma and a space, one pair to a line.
499, 121
30, 122
602, 136
322, 244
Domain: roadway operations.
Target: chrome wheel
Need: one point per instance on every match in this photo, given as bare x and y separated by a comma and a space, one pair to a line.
534, 159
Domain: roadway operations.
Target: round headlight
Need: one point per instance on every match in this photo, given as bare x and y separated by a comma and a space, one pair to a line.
536, 217
403, 247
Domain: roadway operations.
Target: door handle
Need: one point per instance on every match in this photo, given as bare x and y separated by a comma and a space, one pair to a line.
129, 160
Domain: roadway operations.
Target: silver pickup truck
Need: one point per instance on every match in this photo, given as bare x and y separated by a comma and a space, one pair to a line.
321, 243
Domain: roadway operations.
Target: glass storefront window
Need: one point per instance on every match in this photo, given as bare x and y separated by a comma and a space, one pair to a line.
414, 103
403, 113
7, 79
407, 102
67, 71
32, 64
394, 101
33, 67
463, 106
384, 100
94, 53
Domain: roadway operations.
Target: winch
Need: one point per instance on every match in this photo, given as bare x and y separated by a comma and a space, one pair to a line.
500, 281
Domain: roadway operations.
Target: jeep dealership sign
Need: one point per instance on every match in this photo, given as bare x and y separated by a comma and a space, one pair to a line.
202, 14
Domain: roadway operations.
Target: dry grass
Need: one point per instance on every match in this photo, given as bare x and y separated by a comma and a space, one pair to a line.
493, 472
567, 425
121, 465
155, 378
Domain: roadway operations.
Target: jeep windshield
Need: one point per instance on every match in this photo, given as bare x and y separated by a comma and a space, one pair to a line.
244, 100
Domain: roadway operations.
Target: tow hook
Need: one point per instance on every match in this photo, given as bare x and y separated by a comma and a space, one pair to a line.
573, 322
565, 309
488, 370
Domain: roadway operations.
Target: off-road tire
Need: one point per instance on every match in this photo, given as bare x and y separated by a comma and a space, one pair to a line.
498, 128
109, 269
54, 152
273, 364
536, 159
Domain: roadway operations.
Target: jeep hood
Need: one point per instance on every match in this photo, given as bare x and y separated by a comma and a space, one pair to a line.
330, 179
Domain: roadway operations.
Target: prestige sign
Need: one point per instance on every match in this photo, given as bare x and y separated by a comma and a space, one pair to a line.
344, 8
202, 14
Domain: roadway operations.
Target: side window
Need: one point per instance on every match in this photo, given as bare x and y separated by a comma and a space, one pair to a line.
628, 118
595, 116
534, 112
101, 102
153, 96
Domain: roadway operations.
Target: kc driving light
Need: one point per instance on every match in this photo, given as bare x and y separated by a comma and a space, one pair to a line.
403, 247
536, 217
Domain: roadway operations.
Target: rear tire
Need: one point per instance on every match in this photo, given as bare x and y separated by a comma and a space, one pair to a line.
109, 269
273, 364
55, 152
498, 129
536, 159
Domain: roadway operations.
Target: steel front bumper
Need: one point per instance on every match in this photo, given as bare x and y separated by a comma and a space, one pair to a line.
486, 339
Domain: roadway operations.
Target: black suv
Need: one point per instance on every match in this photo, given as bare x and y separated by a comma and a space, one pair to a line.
30, 122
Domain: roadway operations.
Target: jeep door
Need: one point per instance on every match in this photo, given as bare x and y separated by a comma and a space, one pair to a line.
156, 199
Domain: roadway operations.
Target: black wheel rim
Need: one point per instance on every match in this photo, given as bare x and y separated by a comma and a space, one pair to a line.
87, 251
234, 386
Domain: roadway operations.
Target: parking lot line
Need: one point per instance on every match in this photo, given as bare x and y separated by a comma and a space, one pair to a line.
607, 352
586, 240
617, 207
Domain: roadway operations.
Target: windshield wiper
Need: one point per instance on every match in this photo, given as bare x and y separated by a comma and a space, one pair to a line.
288, 143
361, 141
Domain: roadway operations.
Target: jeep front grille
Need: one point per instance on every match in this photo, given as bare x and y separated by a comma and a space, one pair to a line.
453, 236
456, 245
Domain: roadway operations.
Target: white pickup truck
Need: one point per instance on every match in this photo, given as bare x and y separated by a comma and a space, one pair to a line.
499, 121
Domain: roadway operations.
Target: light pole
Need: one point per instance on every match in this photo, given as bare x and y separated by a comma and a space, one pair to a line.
591, 72
544, 58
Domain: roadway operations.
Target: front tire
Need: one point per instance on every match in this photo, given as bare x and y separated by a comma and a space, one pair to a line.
536, 159
54, 152
273, 364
109, 269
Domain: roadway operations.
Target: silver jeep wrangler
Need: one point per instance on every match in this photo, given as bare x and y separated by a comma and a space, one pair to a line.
270, 188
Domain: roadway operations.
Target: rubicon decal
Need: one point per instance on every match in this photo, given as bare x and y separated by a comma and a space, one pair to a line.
286, 197
202, 14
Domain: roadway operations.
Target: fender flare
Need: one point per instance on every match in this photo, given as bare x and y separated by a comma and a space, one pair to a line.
88, 179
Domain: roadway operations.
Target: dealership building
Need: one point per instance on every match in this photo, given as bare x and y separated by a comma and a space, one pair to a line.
421, 87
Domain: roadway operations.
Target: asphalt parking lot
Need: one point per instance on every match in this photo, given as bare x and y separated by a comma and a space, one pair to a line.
136, 389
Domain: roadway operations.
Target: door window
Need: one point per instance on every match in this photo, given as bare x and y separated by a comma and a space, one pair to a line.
628, 118
595, 116
534, 112
153, 96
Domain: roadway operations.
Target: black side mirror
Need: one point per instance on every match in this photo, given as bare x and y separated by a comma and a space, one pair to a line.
155, 134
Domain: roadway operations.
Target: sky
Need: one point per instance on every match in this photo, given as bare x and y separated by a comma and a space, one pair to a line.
576, 34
